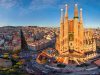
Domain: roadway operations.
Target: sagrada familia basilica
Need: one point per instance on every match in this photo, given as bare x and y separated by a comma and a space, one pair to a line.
74, 43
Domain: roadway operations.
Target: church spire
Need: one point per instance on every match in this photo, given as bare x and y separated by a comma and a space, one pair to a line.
61, 30
81, 19
66, 14
62, 16
76, 11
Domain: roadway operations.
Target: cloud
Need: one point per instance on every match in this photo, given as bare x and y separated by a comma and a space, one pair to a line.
24, 11
41, 4
36, 5
33, 5
8, 3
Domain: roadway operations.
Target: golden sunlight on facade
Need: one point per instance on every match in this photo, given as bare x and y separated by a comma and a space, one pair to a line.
74, 43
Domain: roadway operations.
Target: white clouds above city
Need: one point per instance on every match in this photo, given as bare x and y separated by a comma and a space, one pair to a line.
8, 3
25, 9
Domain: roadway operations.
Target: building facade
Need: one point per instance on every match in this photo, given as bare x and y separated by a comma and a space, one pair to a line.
74, 43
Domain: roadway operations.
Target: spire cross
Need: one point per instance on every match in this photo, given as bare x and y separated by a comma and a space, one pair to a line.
76, 11
81, 20
62, 16
66, 14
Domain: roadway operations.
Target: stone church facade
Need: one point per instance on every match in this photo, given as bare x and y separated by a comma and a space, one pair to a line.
74, 43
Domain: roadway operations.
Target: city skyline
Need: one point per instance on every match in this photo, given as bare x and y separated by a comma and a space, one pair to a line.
46, 12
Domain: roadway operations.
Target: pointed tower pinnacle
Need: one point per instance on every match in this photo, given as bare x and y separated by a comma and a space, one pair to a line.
66, 14
62, 16
61, 30
81, 18
76, 11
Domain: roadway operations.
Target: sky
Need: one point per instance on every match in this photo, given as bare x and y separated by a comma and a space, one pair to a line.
46, 12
